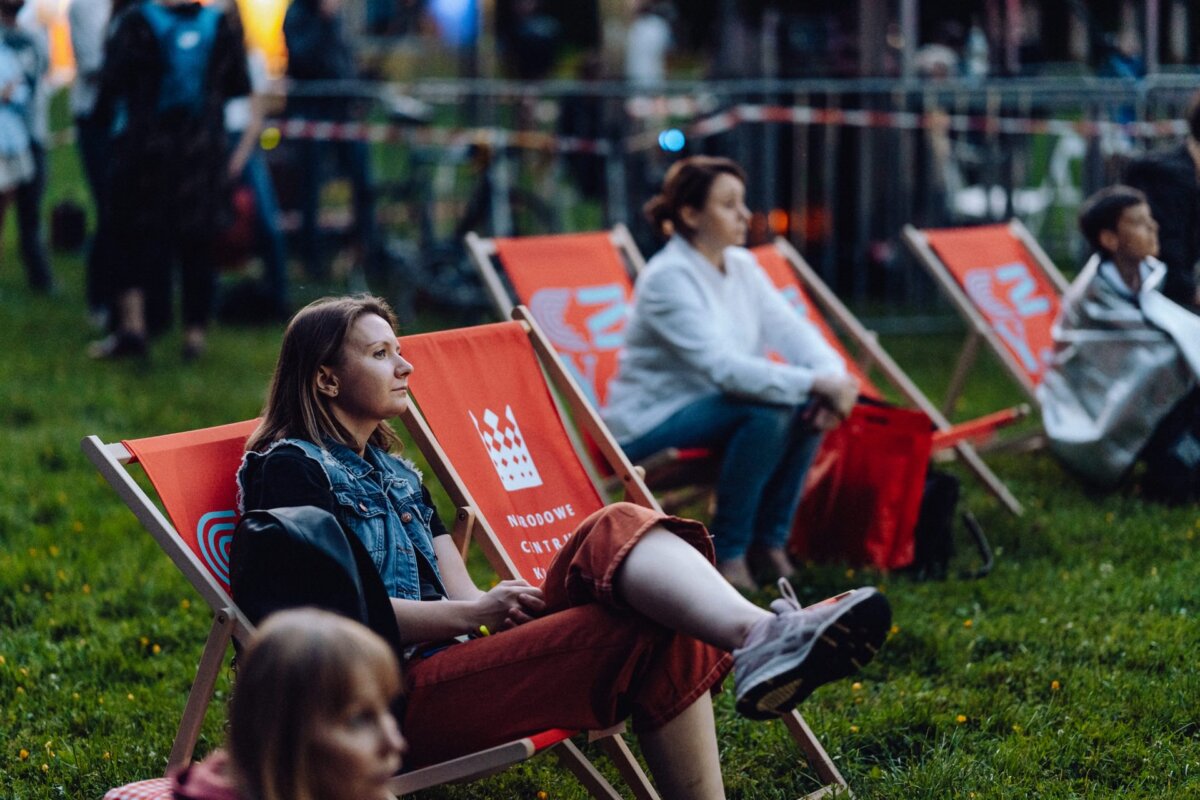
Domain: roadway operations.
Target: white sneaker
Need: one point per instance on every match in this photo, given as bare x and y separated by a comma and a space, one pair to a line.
788, 656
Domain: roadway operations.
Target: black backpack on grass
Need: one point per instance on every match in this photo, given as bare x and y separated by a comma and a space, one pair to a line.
934, 532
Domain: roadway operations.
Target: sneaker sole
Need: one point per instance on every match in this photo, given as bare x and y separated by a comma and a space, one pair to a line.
843, 646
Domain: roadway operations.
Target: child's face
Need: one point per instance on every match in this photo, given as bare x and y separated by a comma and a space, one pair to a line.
361, 748
1137, 234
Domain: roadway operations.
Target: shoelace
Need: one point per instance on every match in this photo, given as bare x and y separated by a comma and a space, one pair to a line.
787, 600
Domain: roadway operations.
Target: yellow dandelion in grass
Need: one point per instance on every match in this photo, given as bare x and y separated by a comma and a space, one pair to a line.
960, 719
129, 696
894, 630
854, 729
101, 700
1055, 686
1016, 728
144, 641
77, 526
2, 662
542, 795
968, 623
45, 767
107, 756
185, 604
20, 690
86, 588
156, 649
856, 686
74, 695
23, 755
24, 671
54, 551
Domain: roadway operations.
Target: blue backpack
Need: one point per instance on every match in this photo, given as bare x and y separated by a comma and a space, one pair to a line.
186, 42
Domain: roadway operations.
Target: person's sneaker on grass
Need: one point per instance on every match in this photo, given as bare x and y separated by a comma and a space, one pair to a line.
786, 657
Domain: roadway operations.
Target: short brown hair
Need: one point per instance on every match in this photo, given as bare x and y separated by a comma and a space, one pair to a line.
314, 338
687, 184
298, 673
1102, 211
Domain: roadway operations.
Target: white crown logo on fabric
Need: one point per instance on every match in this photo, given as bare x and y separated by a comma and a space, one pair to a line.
507, 449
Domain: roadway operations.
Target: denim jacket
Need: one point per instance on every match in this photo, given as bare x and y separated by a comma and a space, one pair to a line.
379, 498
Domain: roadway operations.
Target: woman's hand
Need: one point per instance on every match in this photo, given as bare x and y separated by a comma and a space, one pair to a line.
839, 392
508, 604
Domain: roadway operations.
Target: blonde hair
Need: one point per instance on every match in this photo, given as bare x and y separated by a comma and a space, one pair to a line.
314, 338
298, 673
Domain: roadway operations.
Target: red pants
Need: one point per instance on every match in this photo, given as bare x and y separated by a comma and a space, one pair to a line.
587, 663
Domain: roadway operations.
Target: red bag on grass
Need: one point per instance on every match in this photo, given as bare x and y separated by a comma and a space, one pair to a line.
863, 492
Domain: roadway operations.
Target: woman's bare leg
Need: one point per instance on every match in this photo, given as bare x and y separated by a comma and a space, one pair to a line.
683, 754
669, 581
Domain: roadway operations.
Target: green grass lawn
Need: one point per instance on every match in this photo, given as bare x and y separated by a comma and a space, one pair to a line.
1070, 672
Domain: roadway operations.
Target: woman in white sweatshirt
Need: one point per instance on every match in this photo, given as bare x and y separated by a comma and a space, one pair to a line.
716, 358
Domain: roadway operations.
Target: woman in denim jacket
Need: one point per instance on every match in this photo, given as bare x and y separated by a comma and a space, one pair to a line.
632, 620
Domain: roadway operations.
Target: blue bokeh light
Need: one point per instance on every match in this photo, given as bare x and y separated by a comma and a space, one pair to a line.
672, 140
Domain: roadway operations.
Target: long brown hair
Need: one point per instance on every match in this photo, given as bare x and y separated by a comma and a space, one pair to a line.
687, 184
313, 339
299, 672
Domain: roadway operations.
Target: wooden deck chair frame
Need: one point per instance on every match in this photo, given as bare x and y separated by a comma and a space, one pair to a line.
682, 481
231, 625
484, 250
873, 354
636, 491
979, 329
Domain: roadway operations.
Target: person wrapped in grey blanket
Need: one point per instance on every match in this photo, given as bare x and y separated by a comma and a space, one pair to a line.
1122, 385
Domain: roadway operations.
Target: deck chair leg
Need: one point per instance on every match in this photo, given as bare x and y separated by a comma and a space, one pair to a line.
202, 689
966, 360
573, 759
982, 471
622, 757
820, 761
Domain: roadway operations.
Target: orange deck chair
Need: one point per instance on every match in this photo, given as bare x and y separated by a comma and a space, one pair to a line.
801, 285
579, 287
498, 444
194, 474
1005, 287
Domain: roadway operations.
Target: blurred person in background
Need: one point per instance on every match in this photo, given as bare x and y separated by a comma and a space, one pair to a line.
322, 68
169, 68
26, 38
88, 22
1170, 179
244, 118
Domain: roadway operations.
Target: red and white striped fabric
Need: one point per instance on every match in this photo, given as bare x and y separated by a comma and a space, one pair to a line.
153, 789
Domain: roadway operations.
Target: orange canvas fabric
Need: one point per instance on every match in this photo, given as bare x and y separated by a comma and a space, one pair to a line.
482, 392
577, 288
195, 475
1007, 286
784, 277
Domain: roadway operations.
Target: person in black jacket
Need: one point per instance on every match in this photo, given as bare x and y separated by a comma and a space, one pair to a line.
322, 69
1170, 179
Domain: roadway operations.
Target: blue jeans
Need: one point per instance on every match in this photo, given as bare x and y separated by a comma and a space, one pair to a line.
29, 224
271, 247
766, 451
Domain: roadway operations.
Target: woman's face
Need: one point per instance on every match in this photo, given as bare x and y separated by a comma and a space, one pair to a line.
724, 219
371, 382
356, 752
